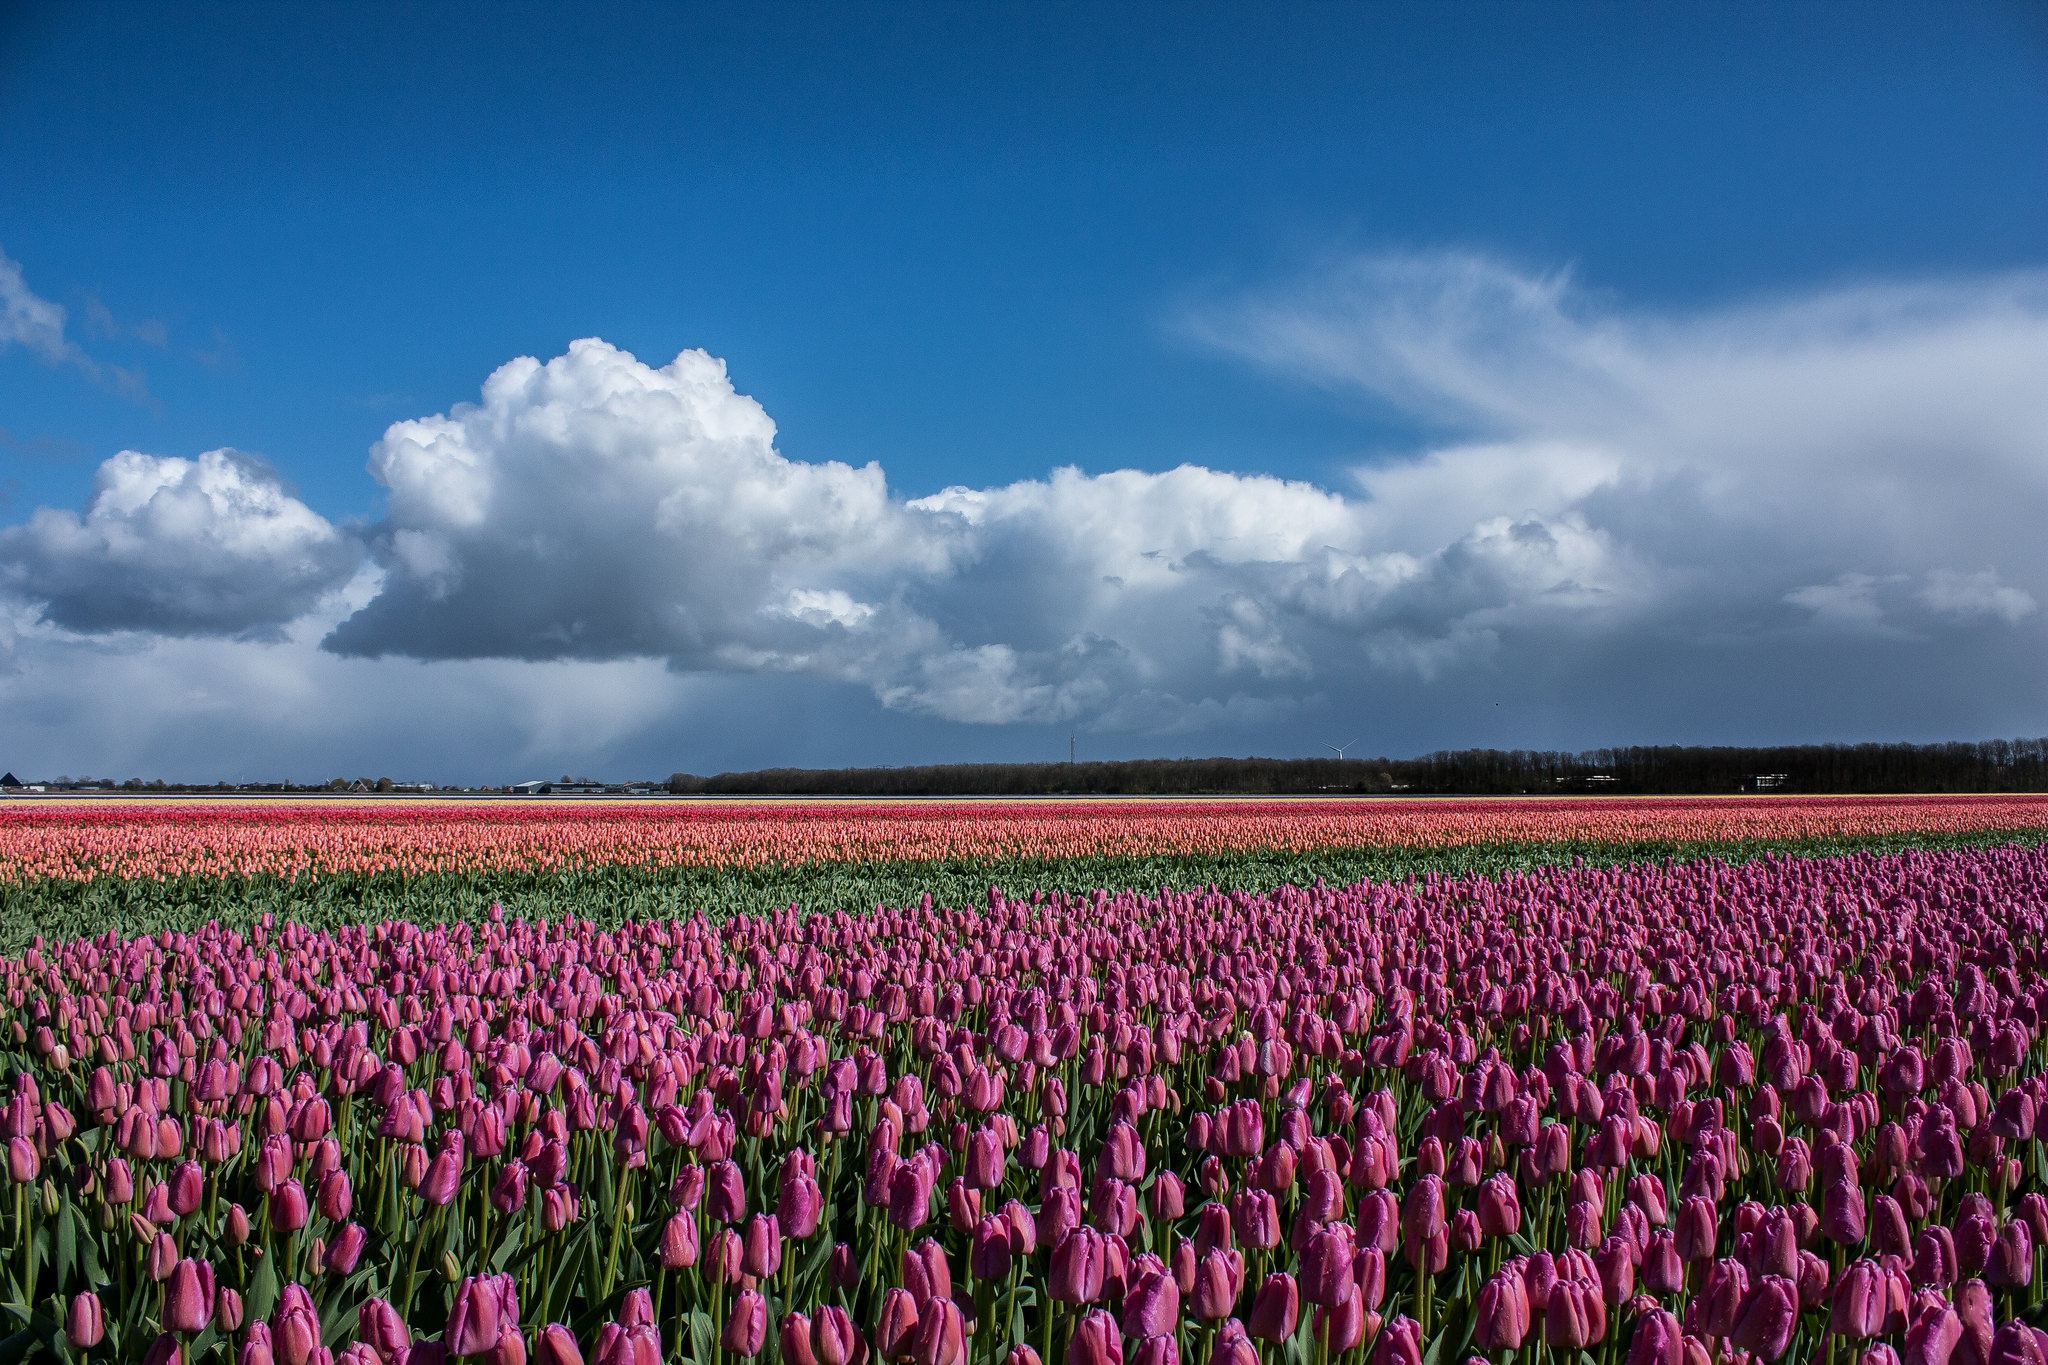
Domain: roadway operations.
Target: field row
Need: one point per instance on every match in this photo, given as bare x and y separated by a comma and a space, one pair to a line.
60, 909
161, 841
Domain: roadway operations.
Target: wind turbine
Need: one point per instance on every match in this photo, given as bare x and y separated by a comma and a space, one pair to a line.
1339, 749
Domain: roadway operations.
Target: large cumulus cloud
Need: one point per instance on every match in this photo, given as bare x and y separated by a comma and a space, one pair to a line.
594, 507
212, 546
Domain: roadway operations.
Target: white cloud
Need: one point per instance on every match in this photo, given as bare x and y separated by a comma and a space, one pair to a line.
594, 507
1636, 506
1975, 597
212, 546
1848, 603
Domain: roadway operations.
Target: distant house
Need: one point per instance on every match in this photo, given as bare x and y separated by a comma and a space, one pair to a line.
10, 783
579, 786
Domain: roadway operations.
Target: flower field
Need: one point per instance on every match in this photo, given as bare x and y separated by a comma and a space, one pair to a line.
1679, 1112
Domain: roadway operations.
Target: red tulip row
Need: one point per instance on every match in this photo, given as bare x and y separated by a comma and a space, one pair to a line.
1686, 1113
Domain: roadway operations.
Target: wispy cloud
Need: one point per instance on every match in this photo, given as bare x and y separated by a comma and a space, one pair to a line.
37, 325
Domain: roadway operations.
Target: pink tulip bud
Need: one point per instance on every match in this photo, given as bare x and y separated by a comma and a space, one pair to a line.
926, 1273
442, 1177
1501, 1313
988, 1255
288, 1208
379, 1326
896, 1325
118, 1185
762, 1255
336, 1197
1768, 1318
85, 1325
294, 1328
985, 1159
23, 1165
1697, 1230
617, 1345
941, 1335
1860, 1302
188, 1297
1499, 1206
1096, 1341
1152, 1306
555, 1344
1576, 1316
485, 1308
163, 1257
1400, 1343
725, 1192
679, 1243
1657, 1340
2010, 1262
1233, 1346
800, 1207
793, 1340
910, 1195
1326, 1266
1255, 1218
1276, 1308
345, 1250
1932, 1337
746, 1324
834, 1338
1078, 1265
187, 1189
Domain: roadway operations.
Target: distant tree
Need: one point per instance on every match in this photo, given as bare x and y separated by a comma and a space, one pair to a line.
1995, 765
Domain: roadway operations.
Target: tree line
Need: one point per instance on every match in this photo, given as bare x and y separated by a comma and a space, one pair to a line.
2017, 765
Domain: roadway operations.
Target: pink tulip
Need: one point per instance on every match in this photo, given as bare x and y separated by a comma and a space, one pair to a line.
834, 1338
746, 1325
85, 1324
1096, 1341
188, 1297
896, 1325
554, 1344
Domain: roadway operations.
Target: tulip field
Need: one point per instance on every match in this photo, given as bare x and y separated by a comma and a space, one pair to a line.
1545, 1083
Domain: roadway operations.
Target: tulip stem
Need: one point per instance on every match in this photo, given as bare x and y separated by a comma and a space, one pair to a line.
412, 1265
1009, 1307
28, 1242
619, 1222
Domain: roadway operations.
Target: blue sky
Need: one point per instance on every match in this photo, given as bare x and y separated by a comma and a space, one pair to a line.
1441, 266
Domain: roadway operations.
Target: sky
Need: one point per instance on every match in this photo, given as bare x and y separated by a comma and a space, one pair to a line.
473, 393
